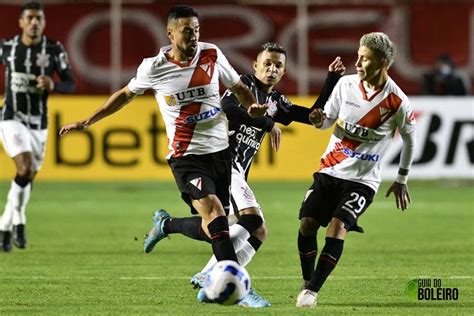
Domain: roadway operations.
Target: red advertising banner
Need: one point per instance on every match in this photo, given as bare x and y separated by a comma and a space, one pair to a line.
313, 35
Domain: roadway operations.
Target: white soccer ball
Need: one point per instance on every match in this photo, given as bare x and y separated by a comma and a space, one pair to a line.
227, 282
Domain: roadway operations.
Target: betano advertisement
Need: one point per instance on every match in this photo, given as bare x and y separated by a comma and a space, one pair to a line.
132, 144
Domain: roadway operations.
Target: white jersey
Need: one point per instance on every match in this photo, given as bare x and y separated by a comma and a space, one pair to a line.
366, 122
188, 98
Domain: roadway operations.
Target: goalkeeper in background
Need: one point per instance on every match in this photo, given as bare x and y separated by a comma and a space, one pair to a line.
368, 108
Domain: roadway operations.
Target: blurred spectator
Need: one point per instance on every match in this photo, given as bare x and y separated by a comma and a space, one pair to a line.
445, 79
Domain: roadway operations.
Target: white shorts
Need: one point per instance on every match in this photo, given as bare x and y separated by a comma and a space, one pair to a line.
242, 196
17, 139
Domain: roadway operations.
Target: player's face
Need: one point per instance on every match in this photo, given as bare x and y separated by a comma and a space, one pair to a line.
184, 35
270, 67
369, 65
32, 22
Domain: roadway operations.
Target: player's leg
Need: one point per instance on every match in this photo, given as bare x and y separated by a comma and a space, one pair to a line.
19, 196
353, 201
27, 150
315, 211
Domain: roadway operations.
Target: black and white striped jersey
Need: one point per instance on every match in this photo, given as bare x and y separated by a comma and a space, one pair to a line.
246, 133
23, 101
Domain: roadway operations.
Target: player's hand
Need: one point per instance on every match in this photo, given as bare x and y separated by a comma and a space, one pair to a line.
317, 117
337, 66
44, 83
256, 110
71, 127
275, 137
402, 196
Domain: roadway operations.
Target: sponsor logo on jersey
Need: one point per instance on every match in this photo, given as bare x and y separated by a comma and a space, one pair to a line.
201, 116
24, 83
247, 135
353, 154
42, 60
354, 129
197, 183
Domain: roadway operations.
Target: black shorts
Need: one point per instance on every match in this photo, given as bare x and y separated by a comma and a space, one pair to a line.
330, 197
200, 175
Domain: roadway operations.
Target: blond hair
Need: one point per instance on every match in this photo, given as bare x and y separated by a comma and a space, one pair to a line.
381, 44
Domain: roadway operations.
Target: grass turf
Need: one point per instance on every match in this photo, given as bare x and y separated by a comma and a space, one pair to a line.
85, 253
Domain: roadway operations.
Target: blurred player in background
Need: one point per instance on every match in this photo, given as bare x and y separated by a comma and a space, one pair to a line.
30, 60
184, 77
246, 136
368, 108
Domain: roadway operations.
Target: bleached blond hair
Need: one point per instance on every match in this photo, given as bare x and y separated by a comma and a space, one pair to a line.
381, 44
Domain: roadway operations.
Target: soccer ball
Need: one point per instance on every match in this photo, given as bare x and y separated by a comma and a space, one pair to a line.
227, 282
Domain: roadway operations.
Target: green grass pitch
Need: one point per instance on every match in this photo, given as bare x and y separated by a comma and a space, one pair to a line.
85, 254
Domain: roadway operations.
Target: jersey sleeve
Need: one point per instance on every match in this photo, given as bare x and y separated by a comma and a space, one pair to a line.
63, 67
406, 123
333, 105
227, 74
141, 82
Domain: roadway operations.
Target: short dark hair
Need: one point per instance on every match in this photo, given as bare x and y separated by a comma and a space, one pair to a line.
272, 47
31, 5
181, 11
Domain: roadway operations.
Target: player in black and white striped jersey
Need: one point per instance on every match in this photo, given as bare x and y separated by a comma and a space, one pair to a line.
30, 60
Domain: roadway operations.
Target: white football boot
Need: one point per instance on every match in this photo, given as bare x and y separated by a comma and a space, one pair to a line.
307, 298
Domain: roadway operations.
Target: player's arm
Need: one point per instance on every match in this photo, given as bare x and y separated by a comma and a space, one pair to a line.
400, 187
114, 103
247, 99
336, 71
235, 113
301, 114
63, 68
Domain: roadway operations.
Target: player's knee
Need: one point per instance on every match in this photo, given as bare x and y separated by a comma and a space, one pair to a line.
251, 222
337, 228
26, 171
308, 226
261, 232
211, 206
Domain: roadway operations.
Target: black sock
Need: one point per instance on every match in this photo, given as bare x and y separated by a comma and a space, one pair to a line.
250, 222
308, 249
254, 242
22, 181
188, 226
221, 244
327, 261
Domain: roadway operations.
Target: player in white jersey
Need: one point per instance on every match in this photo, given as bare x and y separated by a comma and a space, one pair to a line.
368, 108
185, 80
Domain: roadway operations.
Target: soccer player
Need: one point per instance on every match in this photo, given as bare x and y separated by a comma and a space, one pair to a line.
184, 77
246, 135
368, 108
30, 60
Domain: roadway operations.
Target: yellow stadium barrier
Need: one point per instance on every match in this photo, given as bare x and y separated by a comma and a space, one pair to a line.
132, 145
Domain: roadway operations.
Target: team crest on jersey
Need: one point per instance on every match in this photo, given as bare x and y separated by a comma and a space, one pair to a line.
208, 69
170, 100
384, 112
197, 183
42, 60
272, 107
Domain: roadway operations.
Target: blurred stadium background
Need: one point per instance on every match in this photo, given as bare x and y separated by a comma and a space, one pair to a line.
106, 41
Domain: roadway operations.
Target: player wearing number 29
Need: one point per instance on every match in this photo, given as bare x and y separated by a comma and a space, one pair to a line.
368, 108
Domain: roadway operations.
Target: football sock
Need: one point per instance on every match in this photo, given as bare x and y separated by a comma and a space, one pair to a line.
250, 222
327, 261
188, 226
245, 252
308, 249
15, 208
222, 246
